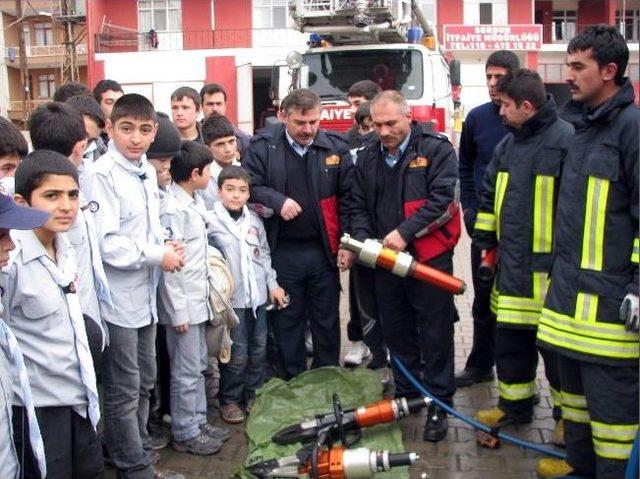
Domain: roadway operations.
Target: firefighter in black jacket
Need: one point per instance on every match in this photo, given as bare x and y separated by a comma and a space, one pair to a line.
595, 268
517, 206
405, 193
302, 174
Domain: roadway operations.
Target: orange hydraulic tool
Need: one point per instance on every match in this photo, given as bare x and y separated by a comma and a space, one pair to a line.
371, 253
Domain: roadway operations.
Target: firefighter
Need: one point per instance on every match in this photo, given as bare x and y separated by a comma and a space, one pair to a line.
595, 269
404, 192
516, 215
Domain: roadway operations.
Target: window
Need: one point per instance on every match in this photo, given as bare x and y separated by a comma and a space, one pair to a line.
486, 13
564, 25
44, 33
629, 24
270, 13
26, 34
47, 85
160, 15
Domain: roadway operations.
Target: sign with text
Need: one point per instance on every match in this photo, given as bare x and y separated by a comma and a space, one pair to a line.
492, 37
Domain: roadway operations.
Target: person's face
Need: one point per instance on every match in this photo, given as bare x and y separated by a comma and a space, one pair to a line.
511, 114
91, 127
131, 136
57, 195
391, 125
201, 178
586, 79
8, 165
224, 150
107, 100
303, 127
366, 126
184, 113
493, 75
214, 103
6, 245
234, 194
354, 103
162, 167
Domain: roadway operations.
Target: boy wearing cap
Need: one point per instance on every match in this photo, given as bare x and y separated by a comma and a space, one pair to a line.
13, 372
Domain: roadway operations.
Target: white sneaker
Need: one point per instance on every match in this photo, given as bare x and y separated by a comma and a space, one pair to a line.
356, 354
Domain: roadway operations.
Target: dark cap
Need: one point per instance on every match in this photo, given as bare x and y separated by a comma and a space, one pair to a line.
14, 216
167, 143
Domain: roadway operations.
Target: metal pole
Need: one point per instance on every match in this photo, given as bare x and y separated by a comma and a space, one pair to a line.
24, 67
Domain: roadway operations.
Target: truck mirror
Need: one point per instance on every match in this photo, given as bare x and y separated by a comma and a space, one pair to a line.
454, 72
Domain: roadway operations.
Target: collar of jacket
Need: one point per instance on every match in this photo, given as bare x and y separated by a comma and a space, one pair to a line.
275, 133
623, 97
542, 119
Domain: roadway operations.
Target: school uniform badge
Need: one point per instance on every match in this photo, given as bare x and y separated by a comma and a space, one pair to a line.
332, 160
419, 162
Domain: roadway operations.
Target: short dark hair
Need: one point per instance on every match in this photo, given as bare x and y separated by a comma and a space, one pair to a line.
193, 156
12, 142
607, 46
211, 88
523, 85
87, 105
188, 92
37, 166
104, 86
133, 105
215, 127
233, 172
69, 89
56, 126
302, 99
363, 112
503, 59
365, 88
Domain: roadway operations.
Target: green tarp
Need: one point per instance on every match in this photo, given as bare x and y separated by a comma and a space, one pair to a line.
280, 404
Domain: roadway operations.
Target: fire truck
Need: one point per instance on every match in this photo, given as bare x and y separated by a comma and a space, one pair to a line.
387, 41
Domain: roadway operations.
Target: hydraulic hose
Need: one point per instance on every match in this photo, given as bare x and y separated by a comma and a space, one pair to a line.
472, 422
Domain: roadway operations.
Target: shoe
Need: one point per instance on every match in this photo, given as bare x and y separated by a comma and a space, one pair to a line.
231, 413
219, 433
166, 474
550, 467
356, 354
491, 417
249, 406
378, 361
473, 375
437, 425
558, 434
201, 445
160, 436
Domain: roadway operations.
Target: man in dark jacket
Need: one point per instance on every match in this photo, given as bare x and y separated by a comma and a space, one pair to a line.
302, 174
404, 192
482, 130
590, 313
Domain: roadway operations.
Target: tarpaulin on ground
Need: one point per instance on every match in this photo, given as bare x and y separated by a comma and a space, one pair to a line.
280, 404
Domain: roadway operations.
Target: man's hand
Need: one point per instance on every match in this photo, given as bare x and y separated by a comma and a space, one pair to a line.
394, 241
173, 258
290, 209
183, 328
345, 259
277, 297
630, 312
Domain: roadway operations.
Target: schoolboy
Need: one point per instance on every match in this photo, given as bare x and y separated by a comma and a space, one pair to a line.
184, 300
12, 368
93, 125
13, 147
165, 146
185, 108
106, 92
218, 134
123, 184
241, 237
43, 311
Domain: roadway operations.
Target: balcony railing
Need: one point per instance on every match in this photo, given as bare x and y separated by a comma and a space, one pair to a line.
563, 32
35, 51
17, 105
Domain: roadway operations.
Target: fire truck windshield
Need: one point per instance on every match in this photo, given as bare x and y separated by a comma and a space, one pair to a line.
332, 73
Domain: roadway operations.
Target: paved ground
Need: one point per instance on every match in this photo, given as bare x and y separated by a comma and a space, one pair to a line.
457, 456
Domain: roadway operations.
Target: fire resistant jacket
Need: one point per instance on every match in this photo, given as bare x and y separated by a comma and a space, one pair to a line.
517, 206
329, 166
596, 245
427, 192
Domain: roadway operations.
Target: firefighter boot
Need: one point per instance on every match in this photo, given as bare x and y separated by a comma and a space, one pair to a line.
550, 467
558, 434
494, 417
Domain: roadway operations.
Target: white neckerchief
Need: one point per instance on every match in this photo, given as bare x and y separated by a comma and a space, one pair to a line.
240, 229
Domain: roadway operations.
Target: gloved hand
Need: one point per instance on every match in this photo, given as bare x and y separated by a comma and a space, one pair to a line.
630, 312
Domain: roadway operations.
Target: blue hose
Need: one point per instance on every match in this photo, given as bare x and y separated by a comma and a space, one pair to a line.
472, 422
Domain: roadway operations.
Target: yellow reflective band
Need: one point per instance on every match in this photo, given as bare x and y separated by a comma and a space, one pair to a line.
612, 450
543, 214
502, 179
614, 432
524, 318
574, 400
595, 211
575, 415
556, 397
586, 307
521, 310
635, 252
517, 392
493, 305
485, 221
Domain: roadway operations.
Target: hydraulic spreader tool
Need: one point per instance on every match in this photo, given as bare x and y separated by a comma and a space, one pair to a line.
371, 253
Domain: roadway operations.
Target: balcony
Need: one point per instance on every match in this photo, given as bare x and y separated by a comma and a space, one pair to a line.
43, 56
563, 32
